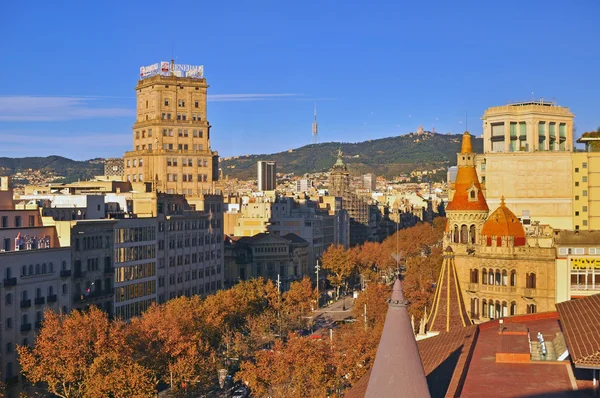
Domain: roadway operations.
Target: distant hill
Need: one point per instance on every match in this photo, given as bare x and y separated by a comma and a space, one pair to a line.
72, 170
386, 156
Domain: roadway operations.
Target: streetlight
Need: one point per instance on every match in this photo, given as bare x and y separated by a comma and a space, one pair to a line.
222, 376
317, 268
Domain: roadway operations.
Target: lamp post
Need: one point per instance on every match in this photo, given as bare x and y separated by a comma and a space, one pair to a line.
317, 268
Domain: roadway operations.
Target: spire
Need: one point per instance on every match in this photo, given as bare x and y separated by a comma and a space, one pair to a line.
398, 369
448, 312
467, 146
467, 190
339, 161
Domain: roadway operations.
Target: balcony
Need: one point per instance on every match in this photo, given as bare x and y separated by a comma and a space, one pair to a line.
66, 273
39, 301
52, 298
9, 282
473, 287
529, 292
26, 327
26, 303
79, 298
584, 287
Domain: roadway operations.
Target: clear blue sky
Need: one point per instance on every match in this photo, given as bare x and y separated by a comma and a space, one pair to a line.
375, 69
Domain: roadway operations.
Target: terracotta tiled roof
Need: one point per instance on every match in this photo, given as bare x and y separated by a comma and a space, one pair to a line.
448, 311
397, 367
580, 321
503, 222
466, 179
445, 360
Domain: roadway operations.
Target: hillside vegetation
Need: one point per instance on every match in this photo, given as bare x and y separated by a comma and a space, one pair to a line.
72, 170
386, 156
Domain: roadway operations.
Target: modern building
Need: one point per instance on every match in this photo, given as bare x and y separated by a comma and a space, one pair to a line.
266, 175
304, 185
528, 159
369, 181
114, 167
171, 134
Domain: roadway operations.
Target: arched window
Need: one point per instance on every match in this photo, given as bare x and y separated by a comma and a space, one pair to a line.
50, 290
64, 266
484, 276
498, 280
44, 269
531, 308
475, 308
51, 266
30, 269
472, 234
484, 308
64, 288
8, 298
513, 308
504, 309
24, 270
474, 276
464, 234
531, 281
498, 310
37, 269
456, 238
513, 278
491, 309
473, 194
24, 295
8, 273
504, 278
24, 319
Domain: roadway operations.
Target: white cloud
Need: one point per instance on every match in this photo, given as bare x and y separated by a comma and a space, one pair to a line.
45, 108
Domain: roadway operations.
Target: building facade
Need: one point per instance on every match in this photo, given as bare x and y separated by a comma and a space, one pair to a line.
266, 175
171, 135
528, 159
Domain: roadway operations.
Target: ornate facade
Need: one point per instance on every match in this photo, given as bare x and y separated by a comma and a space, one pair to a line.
499, 273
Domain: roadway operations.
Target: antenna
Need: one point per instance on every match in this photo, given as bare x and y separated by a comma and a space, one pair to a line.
315, 126
466, 120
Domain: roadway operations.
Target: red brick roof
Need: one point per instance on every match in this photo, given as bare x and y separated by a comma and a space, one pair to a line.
580, 321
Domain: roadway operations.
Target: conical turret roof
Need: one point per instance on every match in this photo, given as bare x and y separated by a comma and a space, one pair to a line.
448, 312
398, 370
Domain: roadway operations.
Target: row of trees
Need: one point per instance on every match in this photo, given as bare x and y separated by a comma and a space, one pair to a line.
184, 342
181, 343
418, 249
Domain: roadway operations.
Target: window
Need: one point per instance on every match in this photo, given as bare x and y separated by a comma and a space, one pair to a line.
584, 165
9, 323
4, 221
181, 103
576, 213
576, 197
196, 104
8, 299
17, 221
576, 183
585, 209
166, 102
584, 192
584, 179
32, 221
576, 169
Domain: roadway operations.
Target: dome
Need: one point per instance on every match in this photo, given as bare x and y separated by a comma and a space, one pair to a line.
503, 222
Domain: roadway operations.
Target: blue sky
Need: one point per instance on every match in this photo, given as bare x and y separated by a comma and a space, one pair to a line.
374, 69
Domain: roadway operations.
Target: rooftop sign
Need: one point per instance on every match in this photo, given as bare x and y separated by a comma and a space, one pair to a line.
164, 68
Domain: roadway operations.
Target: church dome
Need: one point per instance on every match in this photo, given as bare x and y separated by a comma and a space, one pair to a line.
503, 222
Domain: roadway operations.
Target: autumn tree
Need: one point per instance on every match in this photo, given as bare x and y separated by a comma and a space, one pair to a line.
170, 340
299, 367
67, 347
340, 264
419, 281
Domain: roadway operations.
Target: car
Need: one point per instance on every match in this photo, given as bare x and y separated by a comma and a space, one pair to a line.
240, 392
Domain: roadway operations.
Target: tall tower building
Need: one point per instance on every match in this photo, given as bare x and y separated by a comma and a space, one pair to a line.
267, 175
171, 134
315, 126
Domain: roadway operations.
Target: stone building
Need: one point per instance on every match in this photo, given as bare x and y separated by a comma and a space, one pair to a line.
283, 258
171, 135
499, 273
114, 167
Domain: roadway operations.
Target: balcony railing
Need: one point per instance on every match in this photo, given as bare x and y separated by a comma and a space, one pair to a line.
52, 298
586, 287
26, 327
9, 282
39, 300
473, 287
529, 292
78, 298
66, 273
26, 303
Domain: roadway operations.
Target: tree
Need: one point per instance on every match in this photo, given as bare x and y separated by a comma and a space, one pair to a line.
65, 348
419, 281
300, 367
340, 265
118, 376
